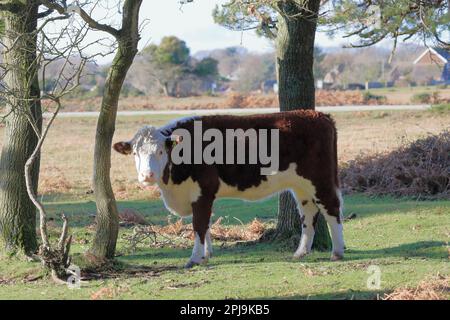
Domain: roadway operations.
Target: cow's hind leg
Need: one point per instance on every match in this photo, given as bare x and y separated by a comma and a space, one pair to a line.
308, 215
201, 213
331, 207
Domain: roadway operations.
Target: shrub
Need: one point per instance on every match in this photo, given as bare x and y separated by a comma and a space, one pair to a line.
422, 97
369, 97
420, 169
235, 100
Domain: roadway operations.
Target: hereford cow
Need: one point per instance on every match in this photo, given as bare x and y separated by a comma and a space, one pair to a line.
307, 166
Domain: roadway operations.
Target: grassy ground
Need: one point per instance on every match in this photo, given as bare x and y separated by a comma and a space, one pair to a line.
408, 240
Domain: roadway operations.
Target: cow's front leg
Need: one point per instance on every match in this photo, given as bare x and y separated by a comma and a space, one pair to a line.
201, 213
208, 244
198, 252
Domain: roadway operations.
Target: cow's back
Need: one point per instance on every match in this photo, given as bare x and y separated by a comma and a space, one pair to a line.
306, 149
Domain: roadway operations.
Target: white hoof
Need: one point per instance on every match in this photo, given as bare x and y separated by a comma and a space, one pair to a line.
336, 256
300, 255
191, 263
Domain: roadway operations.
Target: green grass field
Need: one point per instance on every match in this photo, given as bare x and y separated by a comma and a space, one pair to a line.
407, 240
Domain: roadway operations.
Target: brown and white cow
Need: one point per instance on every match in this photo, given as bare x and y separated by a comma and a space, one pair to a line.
307, 167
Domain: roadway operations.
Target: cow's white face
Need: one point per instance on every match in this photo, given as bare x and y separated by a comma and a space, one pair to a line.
149, 149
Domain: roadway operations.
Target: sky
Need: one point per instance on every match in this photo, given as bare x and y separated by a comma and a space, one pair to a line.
194, 24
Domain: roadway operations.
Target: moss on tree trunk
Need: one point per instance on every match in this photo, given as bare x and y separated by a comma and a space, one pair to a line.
17, 212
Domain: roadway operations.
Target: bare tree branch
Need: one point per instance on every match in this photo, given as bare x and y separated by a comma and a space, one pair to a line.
31, 193
45, 13
84, 15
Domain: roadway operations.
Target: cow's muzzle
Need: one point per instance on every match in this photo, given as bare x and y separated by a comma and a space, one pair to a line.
147, 178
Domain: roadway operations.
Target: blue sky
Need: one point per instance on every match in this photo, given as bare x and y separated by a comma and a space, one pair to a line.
194, 24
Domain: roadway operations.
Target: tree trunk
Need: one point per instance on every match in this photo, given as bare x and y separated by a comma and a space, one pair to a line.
17, 212
107, 219
295, 58
165, 88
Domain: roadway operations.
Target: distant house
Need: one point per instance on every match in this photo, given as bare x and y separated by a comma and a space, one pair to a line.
432, 67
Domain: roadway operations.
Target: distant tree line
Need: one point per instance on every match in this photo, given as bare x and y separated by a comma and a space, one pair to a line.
170, 69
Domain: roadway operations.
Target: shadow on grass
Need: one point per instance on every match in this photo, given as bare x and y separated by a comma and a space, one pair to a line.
236, 211
341, 295
420, 249
82, 213
272, 253
240, 253
365, 206
126, 270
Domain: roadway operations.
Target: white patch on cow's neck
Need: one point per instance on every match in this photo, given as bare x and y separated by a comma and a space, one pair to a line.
178, 198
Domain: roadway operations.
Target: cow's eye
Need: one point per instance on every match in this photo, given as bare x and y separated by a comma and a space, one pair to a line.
134, 153
160, 152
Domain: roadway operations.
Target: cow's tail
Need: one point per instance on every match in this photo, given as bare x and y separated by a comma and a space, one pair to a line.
336, 173
334, 155
334, 159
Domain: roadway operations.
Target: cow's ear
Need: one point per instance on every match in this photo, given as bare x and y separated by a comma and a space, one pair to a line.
173, 140
123, 147
176, 138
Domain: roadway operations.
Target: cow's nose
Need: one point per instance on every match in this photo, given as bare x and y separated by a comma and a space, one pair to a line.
147, 176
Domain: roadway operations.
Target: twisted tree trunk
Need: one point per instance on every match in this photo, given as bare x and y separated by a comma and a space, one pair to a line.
295, 58
17, 212
107, 219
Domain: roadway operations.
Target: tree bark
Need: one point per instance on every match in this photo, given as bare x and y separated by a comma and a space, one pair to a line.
107, 219
17, 212
296, 90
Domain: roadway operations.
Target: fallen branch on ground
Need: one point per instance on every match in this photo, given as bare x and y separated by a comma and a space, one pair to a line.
173, 234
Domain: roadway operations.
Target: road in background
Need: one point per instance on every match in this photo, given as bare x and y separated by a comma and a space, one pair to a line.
245, 111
